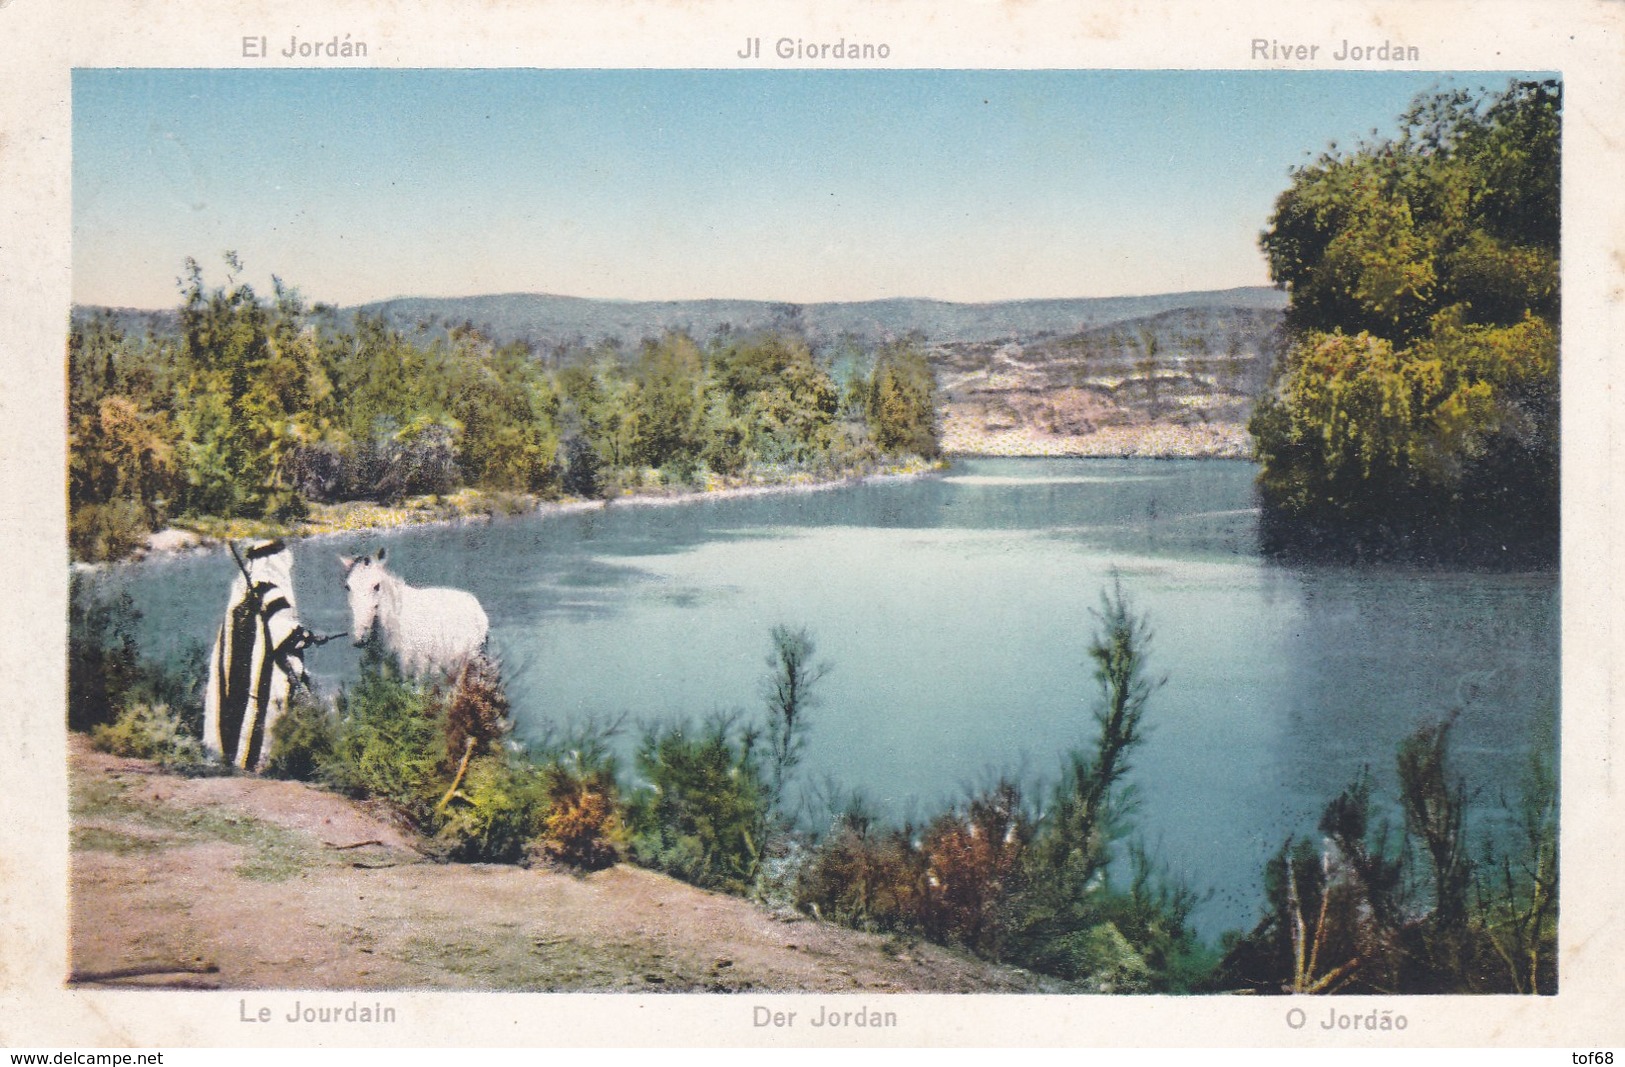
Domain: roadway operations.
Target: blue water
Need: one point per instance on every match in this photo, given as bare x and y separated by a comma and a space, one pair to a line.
955, 611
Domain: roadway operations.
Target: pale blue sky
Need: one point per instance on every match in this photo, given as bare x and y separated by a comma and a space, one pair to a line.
778, 185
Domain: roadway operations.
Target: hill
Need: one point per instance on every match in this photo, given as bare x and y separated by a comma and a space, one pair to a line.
549, 321
546, 321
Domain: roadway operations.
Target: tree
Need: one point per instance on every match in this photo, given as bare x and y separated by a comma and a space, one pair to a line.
121, 477
1079, 832
669, 402
771, 401
247, 376
902, 403
1418, 398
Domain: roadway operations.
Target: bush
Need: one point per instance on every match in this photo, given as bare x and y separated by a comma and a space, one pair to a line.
1338, 918
316, 471
431, 753
103, 664
581, 468
476, 712
107, 531
106, 672
585, 823
495, 811
704, 810
864, 875
974, 863
1104, 959
583, 826
302, 739
389, 741
149, 731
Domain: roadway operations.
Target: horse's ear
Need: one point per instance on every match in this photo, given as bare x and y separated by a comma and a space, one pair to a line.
347, 562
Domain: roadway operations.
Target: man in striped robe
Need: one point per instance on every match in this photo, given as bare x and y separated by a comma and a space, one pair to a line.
257, 658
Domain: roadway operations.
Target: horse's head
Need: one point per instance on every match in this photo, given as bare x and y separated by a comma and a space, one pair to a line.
364, 578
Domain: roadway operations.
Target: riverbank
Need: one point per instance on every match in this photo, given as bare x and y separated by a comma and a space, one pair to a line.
474, 505
248, 883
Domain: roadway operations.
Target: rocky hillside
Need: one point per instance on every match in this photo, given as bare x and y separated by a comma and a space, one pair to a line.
1179, 383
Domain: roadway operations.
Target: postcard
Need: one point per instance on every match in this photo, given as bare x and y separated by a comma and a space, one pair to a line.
811, 525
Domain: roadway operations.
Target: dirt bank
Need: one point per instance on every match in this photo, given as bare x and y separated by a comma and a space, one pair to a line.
244, 883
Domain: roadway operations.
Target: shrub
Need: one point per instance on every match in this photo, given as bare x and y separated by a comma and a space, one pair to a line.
435, 755
316, 471
703, 812
389, 742
864, 875
494, 812
1154, 917
423, 461
103, 664
106, 531
302, 739
476, 710
583, 826
1337, 918
1104, 959
106, 672
581, 468
974, 863
149, 731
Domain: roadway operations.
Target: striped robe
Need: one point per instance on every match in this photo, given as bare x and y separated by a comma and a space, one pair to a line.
256, 660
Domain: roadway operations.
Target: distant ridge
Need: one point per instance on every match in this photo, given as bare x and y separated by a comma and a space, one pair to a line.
552, 320
547, 321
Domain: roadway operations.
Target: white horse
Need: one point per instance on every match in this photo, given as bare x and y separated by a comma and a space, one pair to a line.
433, 629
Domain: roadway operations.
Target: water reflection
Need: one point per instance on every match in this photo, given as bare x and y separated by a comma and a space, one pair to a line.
956, 611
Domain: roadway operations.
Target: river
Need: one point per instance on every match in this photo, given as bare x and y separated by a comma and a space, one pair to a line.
955, 612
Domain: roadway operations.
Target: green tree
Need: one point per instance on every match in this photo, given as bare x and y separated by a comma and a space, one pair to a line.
122, 476
669, 403
902, 403
778, 399
249, 374
507, 410
1419, 392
